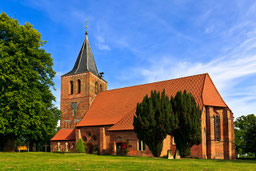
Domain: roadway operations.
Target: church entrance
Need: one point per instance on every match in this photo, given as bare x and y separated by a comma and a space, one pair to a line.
89, 149
119, 150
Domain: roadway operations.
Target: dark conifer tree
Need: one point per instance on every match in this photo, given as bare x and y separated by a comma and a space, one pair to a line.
188, 132
153, 121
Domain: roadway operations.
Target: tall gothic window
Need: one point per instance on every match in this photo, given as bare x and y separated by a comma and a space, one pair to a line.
96, 88
74, 107
217, 127
101, 88
78, 86
71, 87
141, 146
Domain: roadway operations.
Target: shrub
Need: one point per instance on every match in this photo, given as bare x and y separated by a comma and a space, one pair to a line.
80, 147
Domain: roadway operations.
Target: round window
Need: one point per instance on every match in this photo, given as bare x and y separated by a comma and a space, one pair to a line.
94, 138
84, 138
89, 134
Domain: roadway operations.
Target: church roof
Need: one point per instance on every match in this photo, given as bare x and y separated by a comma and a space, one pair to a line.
113, 106
64, 134
85, 61
126, 123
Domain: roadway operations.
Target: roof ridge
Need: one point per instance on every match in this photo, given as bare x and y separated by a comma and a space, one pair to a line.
155, 82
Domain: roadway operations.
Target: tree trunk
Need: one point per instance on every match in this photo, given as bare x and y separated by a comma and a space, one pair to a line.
9, 145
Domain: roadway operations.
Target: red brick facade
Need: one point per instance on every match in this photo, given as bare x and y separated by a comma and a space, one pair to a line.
213, 146
90, 85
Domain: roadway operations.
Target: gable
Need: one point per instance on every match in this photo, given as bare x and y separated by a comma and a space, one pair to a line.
211, 96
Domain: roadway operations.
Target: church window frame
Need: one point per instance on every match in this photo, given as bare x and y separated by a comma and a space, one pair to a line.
71, 87
141, 146
217, 127
85, 139
74, 107
96, 88
78, 86
101, 88
94, 138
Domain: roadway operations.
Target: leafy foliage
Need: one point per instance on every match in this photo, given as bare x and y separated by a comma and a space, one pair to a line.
154, 120
26, 76
245, 127
188, 132
80, 148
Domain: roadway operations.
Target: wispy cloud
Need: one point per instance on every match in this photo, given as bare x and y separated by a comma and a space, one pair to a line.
101, 44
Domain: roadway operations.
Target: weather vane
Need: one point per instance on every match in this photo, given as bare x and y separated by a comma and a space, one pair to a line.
86, 27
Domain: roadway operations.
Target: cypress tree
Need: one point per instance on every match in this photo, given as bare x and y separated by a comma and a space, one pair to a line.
153, 121
80, 147
188, 132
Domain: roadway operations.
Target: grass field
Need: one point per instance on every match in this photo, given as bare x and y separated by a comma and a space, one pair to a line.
72, 161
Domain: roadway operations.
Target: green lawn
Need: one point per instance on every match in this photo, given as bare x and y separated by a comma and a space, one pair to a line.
72, 161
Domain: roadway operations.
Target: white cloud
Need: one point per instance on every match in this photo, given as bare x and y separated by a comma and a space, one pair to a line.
101, 44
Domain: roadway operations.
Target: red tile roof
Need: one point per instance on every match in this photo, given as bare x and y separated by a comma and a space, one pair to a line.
211, 96
110, 107
126, 123
64, 134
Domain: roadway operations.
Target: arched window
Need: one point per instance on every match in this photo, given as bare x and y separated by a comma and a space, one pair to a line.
85, 139
71, 87
96, 88
94, 138
101, 88
78, 86
217, 127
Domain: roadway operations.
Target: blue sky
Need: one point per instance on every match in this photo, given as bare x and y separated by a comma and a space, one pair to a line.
141, 41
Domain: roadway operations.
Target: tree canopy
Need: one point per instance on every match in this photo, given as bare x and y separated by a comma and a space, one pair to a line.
245, 127
188, 132
26, 77
154, 120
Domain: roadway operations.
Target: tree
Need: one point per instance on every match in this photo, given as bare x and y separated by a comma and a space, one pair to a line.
80, 148
188, 132
245, 135
250, 139
154, 120
26, 76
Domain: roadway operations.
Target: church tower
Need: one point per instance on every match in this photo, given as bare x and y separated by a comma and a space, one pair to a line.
79, 87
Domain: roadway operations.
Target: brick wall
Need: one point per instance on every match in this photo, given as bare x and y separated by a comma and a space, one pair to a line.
222, 148
133, 141
70, 146
83, 99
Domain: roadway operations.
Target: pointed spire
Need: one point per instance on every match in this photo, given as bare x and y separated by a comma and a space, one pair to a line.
85, 61
86, 28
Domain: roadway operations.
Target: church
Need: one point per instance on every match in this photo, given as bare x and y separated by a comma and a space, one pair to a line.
103, 118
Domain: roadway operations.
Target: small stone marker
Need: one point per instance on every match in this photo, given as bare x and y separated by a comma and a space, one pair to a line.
177, 154
169, 154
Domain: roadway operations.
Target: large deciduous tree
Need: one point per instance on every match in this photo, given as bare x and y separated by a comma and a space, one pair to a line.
154, 120
26, 76
188, 132
245, 133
